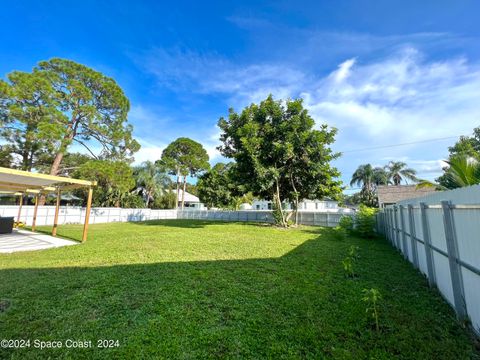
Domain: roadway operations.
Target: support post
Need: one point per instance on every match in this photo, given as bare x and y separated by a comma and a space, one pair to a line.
404, 235
427, 242
35, 209
413, 235
57, 210
455, 267
20, 209
87, 214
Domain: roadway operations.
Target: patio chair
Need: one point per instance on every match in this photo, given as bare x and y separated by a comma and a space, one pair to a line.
6, 225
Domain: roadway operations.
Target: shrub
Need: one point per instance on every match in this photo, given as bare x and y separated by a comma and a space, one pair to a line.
339, 233
365, 221
346, 223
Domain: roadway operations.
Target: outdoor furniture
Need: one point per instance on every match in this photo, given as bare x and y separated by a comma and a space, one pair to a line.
6, 225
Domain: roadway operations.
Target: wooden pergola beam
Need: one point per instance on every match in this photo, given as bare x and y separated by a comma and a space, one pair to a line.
20, 209
57, 210
34, 221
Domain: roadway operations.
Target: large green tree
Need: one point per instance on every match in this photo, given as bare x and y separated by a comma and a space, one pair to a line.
62, 102
115, 181
278, 153
28, 113
218, 188
6, 158
368, 177
184, 157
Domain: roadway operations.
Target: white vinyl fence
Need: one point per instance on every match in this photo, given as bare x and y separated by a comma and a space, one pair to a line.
315, 218
440, 235
76, 215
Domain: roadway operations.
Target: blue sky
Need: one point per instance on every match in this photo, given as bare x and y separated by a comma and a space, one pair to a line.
382, 72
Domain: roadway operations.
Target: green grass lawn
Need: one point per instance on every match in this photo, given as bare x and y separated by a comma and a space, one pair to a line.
193, 289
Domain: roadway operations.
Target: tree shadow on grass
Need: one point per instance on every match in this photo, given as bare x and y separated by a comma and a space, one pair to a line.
296, 306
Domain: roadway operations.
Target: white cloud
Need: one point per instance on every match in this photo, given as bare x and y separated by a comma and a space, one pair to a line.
187, 71
148, 152
402, 98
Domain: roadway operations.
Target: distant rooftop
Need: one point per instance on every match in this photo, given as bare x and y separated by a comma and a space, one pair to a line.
394, 193
188, 197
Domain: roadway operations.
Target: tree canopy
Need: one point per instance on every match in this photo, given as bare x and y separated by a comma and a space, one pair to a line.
219, 188
114, 181
151, 181
184, 157
62, 102
278, 153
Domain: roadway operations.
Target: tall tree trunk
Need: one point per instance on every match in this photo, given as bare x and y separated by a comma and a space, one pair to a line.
59, 156
279, 204
177, 197
183, 193
56, 163
296, 201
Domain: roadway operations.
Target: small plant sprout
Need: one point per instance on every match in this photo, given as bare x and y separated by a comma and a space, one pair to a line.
349, 261
371, 297
348, 267
353, 252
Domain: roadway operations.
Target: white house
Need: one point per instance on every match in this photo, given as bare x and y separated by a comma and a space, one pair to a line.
305, 205
191, 201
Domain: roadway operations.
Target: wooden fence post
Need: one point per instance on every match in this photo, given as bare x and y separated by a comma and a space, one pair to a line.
455, 267
404, 233
427, 241
413, 235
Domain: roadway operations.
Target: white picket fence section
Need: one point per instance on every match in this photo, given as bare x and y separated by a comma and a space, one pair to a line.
440, 235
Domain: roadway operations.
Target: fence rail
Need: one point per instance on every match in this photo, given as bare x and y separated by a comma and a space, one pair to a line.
440, 235
313, 218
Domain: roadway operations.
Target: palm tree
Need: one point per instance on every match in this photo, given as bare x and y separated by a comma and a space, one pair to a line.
151, 181
380, 176
463, 170
398, 171
364, 176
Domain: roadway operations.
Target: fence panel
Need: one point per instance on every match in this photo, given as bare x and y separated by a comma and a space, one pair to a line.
438, 234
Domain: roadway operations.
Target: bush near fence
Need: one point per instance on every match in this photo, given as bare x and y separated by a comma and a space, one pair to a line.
439, 235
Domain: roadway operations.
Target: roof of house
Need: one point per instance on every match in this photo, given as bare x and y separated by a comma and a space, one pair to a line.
188, 197
394, 193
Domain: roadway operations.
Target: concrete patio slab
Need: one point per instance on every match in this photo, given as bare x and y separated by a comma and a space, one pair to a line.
23, 240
